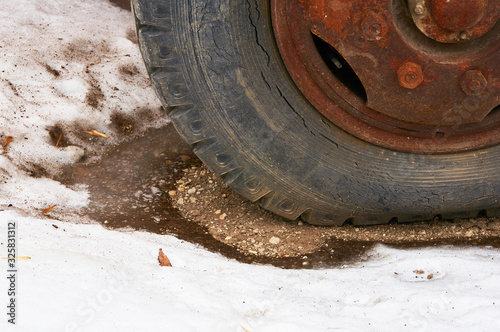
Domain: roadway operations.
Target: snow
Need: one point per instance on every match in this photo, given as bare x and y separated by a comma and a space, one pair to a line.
86, 278
82, 277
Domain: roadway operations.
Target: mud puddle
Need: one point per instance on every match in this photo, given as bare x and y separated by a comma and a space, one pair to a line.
130, 188
155, 183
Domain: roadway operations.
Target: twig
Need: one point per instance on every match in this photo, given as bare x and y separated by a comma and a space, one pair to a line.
8, 141
48, 209
59, 140
96, 133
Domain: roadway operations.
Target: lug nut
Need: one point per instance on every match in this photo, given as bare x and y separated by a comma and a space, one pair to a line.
374, 26
410, 75
419, 9
473, 83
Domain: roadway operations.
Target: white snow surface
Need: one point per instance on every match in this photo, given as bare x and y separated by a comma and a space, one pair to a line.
82, 277
86, 278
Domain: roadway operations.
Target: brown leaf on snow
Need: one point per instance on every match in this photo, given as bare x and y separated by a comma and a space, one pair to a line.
430, 276
96, 133
419, 271
163, 259
7, 141
48, 209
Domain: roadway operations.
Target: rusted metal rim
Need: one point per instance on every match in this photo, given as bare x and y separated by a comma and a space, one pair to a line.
374, 70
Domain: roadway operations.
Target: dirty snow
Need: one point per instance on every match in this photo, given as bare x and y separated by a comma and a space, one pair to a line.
73, 65
70, 65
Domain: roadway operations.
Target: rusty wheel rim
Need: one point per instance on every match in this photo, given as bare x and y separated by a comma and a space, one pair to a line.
393, 73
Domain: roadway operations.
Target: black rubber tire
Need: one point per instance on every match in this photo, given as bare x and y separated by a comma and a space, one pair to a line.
217, 70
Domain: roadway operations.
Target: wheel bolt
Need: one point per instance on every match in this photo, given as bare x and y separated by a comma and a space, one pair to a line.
410, 75
419, 9
473, 83
374, 26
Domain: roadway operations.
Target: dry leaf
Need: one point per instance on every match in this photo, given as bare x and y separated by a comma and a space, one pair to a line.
96, 133
55, 226
419, 271
8, 141
48, 209
59, 140
430, 276
244, 329
163, 259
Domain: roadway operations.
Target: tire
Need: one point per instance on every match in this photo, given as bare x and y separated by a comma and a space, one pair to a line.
218, 72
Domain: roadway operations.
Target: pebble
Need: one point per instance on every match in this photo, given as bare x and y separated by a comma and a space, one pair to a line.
274, 240
172, 193
192, 191
223, 216
218, 212
180, 201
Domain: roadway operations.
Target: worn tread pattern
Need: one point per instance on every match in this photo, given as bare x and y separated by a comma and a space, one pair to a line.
216, 70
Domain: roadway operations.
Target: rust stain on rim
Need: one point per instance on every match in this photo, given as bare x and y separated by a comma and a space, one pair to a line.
412, 95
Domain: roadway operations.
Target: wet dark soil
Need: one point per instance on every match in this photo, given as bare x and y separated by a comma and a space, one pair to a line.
125, 4
139, 185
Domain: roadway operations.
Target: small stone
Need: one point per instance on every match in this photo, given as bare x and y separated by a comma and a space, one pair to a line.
469, 233
180, 201
228, 238
300, 223
218, 212
192, 191
274, 240
172, 193
223, 216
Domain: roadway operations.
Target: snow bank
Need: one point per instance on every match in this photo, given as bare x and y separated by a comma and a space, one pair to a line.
86, 278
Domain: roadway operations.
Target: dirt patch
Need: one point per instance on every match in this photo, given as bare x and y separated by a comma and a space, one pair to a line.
205, 199
129, 70
95, 95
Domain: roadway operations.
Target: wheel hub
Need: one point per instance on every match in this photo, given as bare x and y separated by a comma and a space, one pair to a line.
426, 82
453, 21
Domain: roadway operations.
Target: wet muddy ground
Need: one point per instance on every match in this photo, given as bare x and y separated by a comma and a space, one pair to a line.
155, 183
